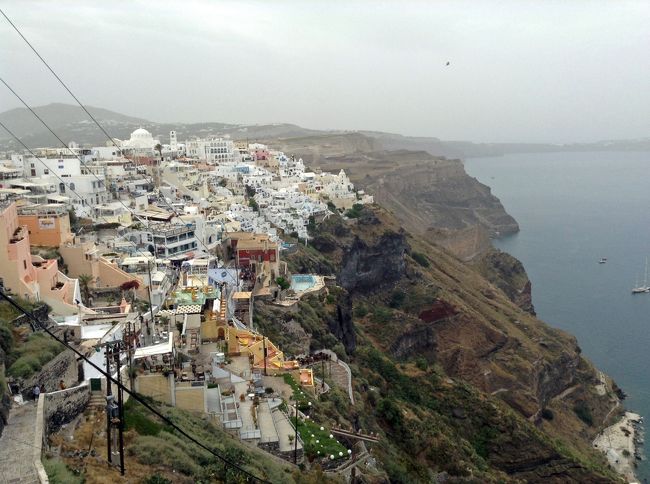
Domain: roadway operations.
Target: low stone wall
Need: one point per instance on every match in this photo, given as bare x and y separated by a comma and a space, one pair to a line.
63, 367
39, 440
273, 448
63, 406
41, 313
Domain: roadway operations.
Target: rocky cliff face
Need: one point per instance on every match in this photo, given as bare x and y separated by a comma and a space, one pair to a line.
508, 274
369, 267
436, 309
342, 326
431, 196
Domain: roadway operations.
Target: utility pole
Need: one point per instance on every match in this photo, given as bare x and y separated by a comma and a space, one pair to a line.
149, 293
295, 439
121, 411
264, 346
322, 368
108, 402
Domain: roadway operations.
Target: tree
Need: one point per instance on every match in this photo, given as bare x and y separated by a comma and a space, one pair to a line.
74, 220
132, 284
158, 148
84, 286
283, 283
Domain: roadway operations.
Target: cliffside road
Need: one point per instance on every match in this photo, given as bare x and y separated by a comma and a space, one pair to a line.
16, 447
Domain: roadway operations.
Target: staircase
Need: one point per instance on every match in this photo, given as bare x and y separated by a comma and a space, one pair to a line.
97, 399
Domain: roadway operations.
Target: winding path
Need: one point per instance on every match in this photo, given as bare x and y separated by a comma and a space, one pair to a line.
341, 374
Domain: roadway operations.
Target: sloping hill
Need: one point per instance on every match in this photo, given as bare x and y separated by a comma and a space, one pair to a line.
70, 122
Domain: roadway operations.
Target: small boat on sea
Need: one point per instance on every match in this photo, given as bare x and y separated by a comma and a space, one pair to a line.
602, 260
644, 288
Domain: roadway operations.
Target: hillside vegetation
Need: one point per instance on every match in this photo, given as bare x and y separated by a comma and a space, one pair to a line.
457, 379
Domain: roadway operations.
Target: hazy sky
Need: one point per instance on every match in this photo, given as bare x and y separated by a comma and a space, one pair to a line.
552, 71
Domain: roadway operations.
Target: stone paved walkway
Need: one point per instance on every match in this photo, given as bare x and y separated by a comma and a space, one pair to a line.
17, 447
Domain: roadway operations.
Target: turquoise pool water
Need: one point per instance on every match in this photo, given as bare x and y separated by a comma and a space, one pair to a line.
302, 282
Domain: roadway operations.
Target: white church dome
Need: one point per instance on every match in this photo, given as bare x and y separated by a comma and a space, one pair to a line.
141, 133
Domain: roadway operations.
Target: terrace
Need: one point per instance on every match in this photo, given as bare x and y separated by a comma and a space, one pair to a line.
194, 295
19, 234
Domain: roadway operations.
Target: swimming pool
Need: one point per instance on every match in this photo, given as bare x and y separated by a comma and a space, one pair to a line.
302, 282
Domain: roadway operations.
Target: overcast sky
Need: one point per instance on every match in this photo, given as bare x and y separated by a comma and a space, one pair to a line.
519, 71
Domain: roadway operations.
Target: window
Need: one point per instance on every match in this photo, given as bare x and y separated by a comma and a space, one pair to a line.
33, 172
71, 186
62, 187
46, 171
25, 264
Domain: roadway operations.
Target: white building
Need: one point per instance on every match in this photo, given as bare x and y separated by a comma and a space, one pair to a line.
212, 150
140, 142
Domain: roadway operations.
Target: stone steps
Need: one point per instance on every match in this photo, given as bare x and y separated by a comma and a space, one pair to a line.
17, 446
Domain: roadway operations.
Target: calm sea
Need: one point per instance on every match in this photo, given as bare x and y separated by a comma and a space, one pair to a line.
573, 209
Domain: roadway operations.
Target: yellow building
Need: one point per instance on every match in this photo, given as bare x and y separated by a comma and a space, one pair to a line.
245, 342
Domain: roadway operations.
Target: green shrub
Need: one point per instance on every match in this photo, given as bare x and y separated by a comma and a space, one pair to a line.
29, 357
163, 450
339, 349
58, 472
24, 367
135, 418
397, 299
360, 311
156, 479
381, 314
481, 441
391, 413
420, 259
6, 338
355, 211
584, 413
422, 363
547, 414
283, 283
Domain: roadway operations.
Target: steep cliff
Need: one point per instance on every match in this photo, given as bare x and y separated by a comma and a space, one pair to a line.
451, 371
431, 196
509, 275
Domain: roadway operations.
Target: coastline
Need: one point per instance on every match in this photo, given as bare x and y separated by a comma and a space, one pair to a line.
619, 444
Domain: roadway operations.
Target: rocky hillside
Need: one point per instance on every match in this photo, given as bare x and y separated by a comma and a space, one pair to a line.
431, 196
458, 380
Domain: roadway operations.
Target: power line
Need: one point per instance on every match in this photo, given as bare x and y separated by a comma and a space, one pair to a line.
63, 181
133, 394
91, 172
65, 86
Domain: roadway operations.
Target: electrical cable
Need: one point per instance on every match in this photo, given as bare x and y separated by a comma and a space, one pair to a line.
110, 138
133, 394
64, 182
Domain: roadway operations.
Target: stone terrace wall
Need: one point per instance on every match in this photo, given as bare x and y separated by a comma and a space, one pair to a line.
63, 406
63, 367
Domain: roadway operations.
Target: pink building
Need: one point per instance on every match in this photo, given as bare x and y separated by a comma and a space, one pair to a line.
32, 277
261, 154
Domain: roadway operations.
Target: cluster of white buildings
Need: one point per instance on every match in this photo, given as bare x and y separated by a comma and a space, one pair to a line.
201, 188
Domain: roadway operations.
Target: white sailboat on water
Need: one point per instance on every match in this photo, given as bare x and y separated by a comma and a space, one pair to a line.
644, 288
